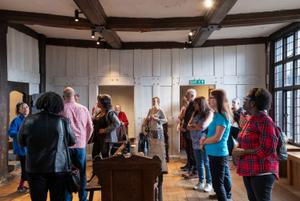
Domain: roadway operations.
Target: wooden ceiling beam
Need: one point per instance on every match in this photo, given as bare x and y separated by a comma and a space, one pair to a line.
261, 18
154, 45
213, 18
150, 24
20, 17
94, 12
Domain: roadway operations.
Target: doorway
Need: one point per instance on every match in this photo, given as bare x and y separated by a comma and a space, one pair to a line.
14, 98
202, 90
123, 96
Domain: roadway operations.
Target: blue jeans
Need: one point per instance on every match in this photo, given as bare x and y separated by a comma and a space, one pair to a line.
221, 178
201, 162
259, 188
78, 157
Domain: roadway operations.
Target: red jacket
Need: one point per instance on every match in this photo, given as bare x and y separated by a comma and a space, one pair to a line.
123, 118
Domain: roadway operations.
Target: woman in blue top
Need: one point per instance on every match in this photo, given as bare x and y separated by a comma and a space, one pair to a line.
22, 111
215, 145
199, 121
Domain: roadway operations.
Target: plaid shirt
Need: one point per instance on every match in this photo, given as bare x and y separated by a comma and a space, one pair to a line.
259, 134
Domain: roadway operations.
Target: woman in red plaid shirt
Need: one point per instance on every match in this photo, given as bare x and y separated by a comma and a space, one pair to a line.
256, 153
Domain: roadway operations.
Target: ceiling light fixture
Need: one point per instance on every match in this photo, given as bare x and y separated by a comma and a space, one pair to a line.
93, 34
191, 33
76, 13
190, 40
208, 3
99, 40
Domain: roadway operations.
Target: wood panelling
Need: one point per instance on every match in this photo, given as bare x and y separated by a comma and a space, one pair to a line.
23, 59
156, 72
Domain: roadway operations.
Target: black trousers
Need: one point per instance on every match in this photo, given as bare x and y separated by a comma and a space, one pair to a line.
166, 137
259, 188
221, 178
191, 162
24, 175
54, 182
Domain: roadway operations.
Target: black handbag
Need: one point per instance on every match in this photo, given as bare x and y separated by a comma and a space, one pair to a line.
73, 175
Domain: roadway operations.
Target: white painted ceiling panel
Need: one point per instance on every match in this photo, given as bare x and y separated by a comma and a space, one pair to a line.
153, 8
175, 36
246, 32
54, 7
251, 6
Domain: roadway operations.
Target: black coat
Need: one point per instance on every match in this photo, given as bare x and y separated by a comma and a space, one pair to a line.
46, 136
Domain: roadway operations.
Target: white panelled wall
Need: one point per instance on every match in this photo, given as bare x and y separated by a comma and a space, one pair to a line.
157, 72
23, 59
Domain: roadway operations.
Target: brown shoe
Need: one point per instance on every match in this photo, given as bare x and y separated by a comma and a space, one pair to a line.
191, 176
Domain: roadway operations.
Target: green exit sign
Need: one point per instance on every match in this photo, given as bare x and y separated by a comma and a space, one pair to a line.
197, 82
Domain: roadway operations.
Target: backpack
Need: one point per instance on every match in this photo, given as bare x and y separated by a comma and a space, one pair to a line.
281, 149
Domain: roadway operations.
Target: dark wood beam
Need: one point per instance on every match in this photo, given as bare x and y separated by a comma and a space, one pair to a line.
261, 18
213, 18
235, 41
150, 24
285, 31
75, 43
154, 45
20, 17
42, 62
153, 24
94, 12
24, 29
4, 104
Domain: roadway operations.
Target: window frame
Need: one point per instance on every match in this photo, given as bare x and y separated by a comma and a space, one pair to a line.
284, 34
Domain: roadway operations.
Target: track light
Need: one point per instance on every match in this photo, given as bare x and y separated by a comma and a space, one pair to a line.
98, 41
76, 13
190, 40
93, 34
185, 45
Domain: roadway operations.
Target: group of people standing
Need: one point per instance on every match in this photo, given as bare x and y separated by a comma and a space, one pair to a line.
59, 133
55, 139
206, 127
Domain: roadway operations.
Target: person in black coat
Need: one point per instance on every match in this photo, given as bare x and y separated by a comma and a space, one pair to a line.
47, 136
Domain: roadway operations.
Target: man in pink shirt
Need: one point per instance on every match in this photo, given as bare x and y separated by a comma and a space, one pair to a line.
82, 126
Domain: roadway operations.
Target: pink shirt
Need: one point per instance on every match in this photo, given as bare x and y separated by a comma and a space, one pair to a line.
81, 122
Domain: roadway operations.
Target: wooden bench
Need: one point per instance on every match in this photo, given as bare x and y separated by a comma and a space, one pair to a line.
283, 164
293, 169
92, 186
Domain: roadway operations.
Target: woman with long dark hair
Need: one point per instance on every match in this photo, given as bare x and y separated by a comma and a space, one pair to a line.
215, 144
199, 121
47, 136
256, 152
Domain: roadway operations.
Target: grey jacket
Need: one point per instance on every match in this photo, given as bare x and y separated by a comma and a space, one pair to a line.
112, 124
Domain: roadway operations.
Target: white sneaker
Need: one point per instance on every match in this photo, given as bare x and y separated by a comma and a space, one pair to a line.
208, 188
199, 186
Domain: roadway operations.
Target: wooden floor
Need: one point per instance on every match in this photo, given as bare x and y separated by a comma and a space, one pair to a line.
175, 188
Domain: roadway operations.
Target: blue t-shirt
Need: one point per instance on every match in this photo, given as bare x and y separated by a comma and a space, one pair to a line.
220, 148
196, 135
